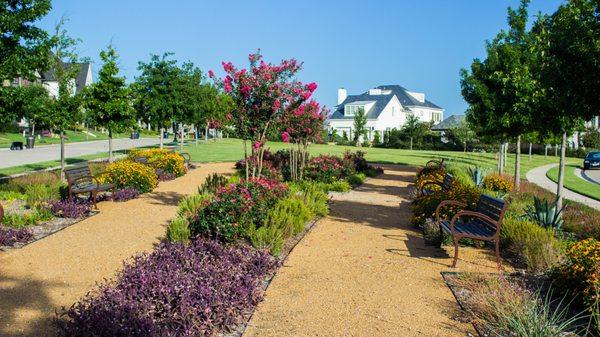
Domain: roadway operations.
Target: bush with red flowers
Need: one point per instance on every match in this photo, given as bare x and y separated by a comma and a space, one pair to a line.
235, 207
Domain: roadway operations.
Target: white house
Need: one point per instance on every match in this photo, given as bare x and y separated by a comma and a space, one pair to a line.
386, 106
83, 79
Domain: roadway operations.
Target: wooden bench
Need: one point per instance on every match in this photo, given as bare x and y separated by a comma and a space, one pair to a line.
482, 224
81, 181
445, 185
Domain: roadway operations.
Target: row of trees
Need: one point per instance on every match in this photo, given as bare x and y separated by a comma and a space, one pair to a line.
537, 82
163, 93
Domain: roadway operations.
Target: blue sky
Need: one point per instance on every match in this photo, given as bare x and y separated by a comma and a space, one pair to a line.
352, 44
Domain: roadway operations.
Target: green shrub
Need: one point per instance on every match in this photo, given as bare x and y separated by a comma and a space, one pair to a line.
535, 246
15, 220
314, 195
338, 186
11, 195
212, 184
290, 215
191, 205
37, 194
460, 174
179, 230
356, 179
267, 237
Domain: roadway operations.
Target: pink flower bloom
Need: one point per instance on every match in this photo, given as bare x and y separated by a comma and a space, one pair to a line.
285, 136
211, 74
257, 145
311, 87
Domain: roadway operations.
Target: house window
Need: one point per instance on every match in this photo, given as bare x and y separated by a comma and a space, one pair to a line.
351, 109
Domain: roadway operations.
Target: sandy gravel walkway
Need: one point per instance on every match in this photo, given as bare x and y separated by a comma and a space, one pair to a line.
364, 271
57, 270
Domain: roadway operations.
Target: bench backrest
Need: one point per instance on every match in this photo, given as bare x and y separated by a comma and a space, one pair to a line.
492, 207
141, 160
447, 182
77, 172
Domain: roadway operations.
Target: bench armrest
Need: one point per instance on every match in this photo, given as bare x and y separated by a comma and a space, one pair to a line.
444, 204
429, 182
476, 215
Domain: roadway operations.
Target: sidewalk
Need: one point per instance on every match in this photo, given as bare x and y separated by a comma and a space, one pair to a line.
364, 270
58, 270
538, 177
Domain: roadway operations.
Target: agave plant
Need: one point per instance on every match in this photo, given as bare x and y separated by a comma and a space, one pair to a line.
477, 175
545, 213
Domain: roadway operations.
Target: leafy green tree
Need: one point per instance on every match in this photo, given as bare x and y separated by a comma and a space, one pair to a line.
31, 103
66, 110
376, 138
360, 125
463, 133
156, 91
569, 41
107, 100
591, 139
414, 129
23, 46
504, 91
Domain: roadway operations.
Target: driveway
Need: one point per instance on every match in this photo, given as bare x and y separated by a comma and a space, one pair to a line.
591, 175
52, 152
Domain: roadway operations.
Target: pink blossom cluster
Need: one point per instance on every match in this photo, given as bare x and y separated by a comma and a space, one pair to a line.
305, 123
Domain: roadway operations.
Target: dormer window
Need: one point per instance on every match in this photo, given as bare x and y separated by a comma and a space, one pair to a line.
352, 109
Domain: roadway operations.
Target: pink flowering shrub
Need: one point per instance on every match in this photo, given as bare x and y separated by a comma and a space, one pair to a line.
327, 169
235, 207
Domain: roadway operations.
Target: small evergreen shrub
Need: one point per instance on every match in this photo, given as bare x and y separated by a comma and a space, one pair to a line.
290, 215
191, 205
338, 186
356, 179
533, 245
212, 184
267, 237
38, 194
179, 230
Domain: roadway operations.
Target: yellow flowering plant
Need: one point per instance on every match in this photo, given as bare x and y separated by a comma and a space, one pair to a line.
580, 273
161, 159
126, 173
498, 182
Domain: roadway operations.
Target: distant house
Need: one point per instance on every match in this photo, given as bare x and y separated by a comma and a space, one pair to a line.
449, 123
386, 106
83, 79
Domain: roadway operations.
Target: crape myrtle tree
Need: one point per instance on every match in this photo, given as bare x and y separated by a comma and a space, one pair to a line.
66, 108
262, 94
301, 127
108, 100
360, 126
513, 89
156, 92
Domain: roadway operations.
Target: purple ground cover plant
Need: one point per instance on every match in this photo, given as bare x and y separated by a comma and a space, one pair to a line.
198, 289
11, 236
74, 209
125, 194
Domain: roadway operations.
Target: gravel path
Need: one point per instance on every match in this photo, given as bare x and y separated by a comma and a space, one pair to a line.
365, 271
538, 177
59, 269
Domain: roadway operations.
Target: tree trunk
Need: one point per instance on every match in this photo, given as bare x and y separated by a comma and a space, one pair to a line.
246, 159
196, 133
518, 164
465, 148
62, 155
206, 133
530, 146
505, 162
110, 147
160, 136
555, 150
411, 143
561, 172
501, 158
180, 137
546, 151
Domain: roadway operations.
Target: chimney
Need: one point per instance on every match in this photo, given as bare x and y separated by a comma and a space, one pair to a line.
342, 94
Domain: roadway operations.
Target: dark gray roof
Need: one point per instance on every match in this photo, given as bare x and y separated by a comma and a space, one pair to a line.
49, 75
449, 123
380, 102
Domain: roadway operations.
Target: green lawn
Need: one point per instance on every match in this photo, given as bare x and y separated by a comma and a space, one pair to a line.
575, 183
231, 150
73, 136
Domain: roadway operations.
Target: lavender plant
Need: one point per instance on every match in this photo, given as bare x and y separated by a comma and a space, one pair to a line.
11, 236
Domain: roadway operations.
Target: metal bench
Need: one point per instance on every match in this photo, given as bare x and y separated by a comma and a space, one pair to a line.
482, 224
81, 181
435, 163
445, 185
